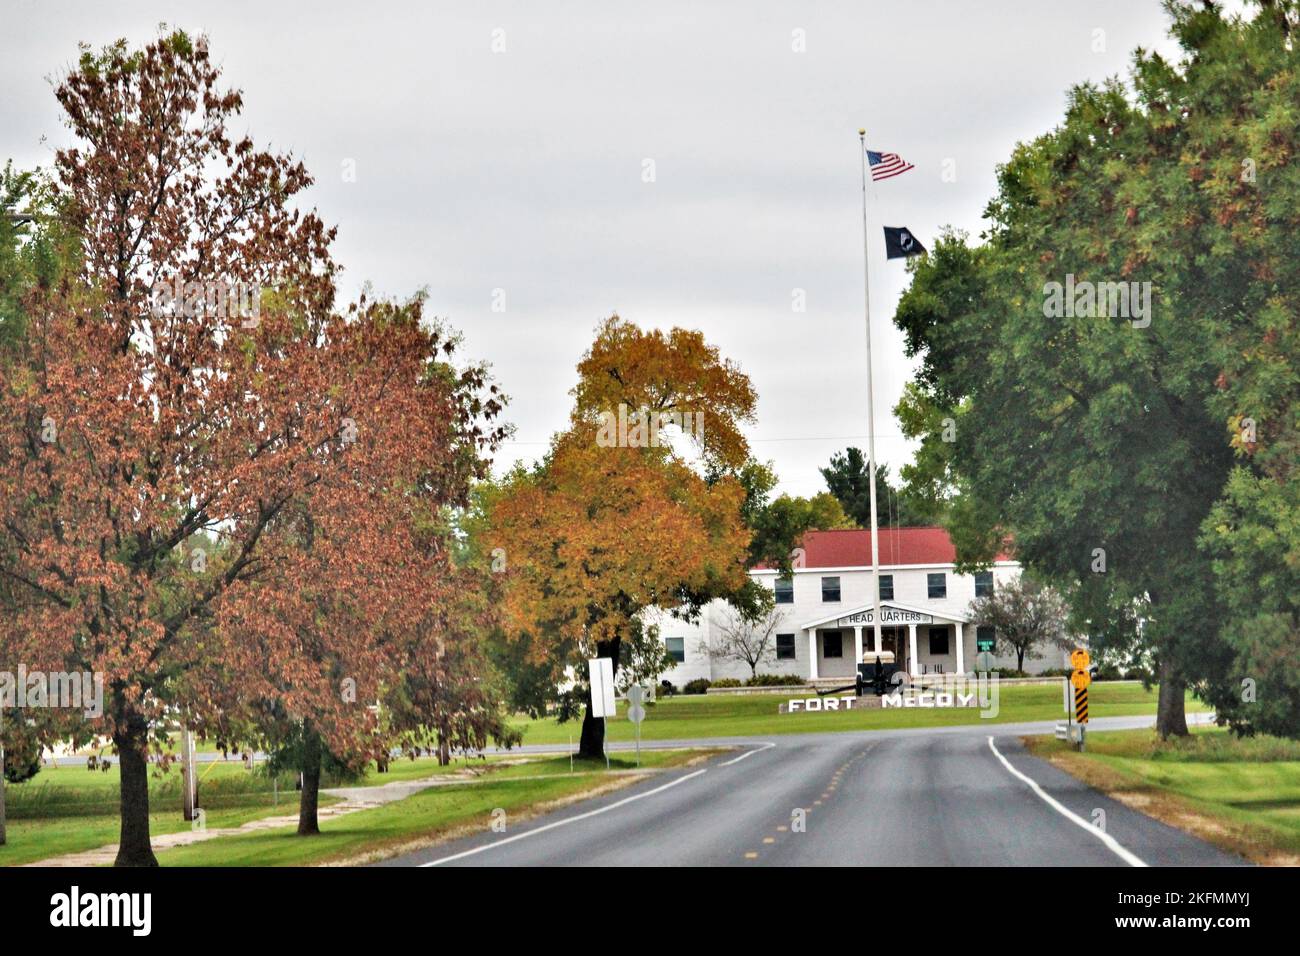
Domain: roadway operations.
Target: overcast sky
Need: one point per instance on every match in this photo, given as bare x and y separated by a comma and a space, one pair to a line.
522, 170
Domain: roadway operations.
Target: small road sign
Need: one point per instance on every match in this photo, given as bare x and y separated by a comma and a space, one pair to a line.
1080, 680
1079, 659
601, 670
1081, 705
635, 695
636, 714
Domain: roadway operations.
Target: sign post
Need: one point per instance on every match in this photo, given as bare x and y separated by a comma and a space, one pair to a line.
1081, 679
601, 671
636, 714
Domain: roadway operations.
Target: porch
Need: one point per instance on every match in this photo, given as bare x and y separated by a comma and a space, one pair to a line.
922, 642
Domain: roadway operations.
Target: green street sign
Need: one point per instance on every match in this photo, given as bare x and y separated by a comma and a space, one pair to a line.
984, 644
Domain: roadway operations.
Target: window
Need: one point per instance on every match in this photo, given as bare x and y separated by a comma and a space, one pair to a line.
785, 590
938, 640
886, 587
676, 647
832, 644
984, 584
938, 584
785, 647
986, 639
830, 589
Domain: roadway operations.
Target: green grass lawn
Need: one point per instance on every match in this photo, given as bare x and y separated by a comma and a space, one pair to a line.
420, 818
1243, 794
71, 809
735, 715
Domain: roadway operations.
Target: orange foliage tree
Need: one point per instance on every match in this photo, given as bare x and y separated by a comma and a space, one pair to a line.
623, 515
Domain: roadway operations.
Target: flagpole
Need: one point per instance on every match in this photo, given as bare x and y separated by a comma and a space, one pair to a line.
871, 403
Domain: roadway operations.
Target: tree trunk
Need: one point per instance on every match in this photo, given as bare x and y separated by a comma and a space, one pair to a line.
310, 797
1020, 659
592, 742
133, 847
444, 752
1171, 708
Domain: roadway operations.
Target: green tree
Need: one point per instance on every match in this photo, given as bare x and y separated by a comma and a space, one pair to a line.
1238, 103
1101, 436
846, 477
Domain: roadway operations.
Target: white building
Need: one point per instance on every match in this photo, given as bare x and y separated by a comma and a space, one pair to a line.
826, 608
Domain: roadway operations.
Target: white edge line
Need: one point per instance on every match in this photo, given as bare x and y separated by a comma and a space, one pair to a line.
567, 820
747, 753
1111, 843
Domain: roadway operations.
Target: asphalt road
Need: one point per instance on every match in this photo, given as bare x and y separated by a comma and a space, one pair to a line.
934, 797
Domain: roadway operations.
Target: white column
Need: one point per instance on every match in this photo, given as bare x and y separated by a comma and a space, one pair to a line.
961, 648
857, 648
812, 653
875, 638
914, 665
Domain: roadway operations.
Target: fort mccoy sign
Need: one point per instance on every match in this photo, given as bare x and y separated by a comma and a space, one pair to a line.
888, 615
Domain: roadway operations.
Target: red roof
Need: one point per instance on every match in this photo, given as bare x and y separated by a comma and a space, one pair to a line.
851, 548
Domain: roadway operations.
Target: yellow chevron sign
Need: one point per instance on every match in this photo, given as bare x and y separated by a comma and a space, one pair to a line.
1081, 705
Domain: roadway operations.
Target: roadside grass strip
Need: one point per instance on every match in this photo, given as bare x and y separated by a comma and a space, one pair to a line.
432, 815
1240, 794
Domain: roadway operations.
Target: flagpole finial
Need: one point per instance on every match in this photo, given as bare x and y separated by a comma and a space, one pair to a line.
862, 132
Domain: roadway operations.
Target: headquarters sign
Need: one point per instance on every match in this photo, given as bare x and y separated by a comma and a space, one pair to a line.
888, 615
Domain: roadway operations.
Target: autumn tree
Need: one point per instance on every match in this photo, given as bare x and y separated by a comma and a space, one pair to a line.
603, 529
357, 606
156, 405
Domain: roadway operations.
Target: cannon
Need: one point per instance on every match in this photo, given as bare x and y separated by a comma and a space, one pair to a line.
876, 673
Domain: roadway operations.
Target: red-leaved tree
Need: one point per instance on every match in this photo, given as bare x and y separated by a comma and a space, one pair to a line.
197, 451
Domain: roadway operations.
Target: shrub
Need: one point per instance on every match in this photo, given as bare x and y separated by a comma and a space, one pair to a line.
775, 680
727, 682
698, 686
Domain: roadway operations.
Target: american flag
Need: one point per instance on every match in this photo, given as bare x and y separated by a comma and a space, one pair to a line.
885, 165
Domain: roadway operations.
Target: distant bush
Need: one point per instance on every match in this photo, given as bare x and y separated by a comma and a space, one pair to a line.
727, 682
698, 686
775, 680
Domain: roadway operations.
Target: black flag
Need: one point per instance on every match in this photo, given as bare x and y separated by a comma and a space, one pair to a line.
899, 243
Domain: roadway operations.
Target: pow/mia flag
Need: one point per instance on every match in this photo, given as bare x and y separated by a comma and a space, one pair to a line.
899, 243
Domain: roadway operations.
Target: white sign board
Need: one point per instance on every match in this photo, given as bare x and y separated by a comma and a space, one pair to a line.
888, 615
602, 686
